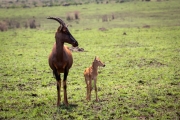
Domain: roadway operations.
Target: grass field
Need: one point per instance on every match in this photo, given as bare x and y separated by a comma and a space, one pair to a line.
140, 47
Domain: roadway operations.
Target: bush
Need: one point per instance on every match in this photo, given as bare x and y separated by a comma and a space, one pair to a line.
113, 17
17, 24
11, 24
104, 18
26, 25
3, 26
69, 17
76, 15
72, 15
32, 24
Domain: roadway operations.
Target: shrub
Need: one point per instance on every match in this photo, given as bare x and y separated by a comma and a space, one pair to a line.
104, 18
17, 24
32, 24
12, 24
76, 15
69, 17
113, 17
3, 26
26, 25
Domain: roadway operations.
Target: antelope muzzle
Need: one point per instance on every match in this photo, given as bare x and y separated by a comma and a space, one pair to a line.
74, 42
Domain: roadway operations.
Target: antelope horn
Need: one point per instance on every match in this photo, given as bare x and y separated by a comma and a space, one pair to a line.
58, 20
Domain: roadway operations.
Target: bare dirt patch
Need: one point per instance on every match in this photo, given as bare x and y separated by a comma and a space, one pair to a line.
102, 29
87, 29
150, 63
76, 49
146, 26
145, 63
130, 45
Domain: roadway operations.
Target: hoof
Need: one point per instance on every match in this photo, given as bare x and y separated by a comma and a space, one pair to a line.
58, 104
66, 104
97, 100
87, 99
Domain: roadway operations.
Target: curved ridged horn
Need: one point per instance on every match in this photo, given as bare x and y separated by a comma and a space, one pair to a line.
58, 20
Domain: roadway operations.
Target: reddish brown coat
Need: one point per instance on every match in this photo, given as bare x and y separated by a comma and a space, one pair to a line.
60, 59
90, 74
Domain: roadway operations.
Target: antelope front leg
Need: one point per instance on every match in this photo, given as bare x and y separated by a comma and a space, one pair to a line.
65, 93
58, 92
65, 87
58, 80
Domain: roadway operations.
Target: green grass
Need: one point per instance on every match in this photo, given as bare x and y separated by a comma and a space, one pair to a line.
141, 79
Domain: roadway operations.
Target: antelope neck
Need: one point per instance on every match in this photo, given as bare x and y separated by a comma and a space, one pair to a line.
94, 66
59, 50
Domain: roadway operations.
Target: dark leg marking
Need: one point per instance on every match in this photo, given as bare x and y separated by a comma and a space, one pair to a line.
65, 77
58, 79
56, 75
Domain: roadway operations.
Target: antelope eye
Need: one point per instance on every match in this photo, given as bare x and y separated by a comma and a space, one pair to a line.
66, 31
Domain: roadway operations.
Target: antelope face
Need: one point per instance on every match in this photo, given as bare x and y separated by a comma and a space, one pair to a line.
99, 62
68, 38
63, 34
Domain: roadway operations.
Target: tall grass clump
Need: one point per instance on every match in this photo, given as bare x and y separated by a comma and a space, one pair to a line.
16, 24
72, 16
3, 26
32, 24
76, 15
104, 18
69, 17
9, 24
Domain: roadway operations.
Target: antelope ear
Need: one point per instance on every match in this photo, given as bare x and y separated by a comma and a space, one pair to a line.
95, 58
59, 28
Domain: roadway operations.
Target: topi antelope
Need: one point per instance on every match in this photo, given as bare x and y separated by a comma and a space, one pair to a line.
60, 59
91, 74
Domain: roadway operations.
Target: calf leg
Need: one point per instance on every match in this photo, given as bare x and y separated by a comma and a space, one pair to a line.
95, 89
89, 88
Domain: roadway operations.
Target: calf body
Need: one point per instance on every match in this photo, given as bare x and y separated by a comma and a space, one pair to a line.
90, 74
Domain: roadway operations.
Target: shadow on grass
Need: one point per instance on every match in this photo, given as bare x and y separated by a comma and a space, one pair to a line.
67, 108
